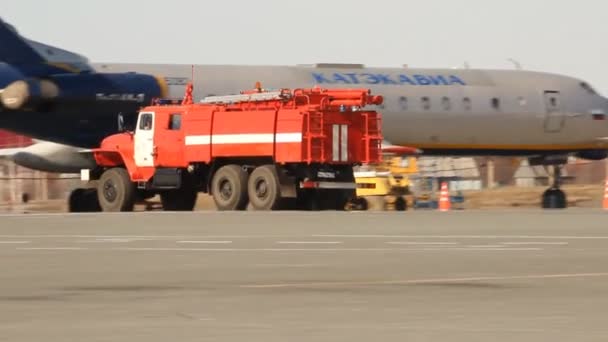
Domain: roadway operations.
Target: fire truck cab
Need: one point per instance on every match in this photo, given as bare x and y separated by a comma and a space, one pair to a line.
269, 150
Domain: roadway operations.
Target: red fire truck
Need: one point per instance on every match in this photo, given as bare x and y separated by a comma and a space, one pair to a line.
284, 149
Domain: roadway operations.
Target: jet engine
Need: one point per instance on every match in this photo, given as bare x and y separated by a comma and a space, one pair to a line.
68, 92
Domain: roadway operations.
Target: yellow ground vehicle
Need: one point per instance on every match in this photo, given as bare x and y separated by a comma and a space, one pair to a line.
386, 186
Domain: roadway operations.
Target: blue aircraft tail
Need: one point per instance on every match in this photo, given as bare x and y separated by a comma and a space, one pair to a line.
37, 59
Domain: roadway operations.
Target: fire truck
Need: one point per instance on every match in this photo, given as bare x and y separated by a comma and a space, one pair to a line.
267, 149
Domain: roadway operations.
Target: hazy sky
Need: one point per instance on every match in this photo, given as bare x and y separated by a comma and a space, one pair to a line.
562, 36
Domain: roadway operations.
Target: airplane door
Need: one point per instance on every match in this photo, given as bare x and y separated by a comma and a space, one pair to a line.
554, 121
144, 140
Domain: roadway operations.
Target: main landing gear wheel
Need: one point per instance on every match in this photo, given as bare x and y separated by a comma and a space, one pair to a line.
83, 201
229, 188
115, 191
264, 188
554, 197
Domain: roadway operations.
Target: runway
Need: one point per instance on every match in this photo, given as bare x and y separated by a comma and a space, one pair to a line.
524, 275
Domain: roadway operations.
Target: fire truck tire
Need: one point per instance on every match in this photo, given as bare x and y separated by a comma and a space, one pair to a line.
229, 188
116, 192
264, 188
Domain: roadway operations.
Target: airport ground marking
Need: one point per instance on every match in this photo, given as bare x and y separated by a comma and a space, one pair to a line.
206, 242
506, 237
52, 248
428, 281
309, 242
416, 243
14, 242
540, 243
177, 249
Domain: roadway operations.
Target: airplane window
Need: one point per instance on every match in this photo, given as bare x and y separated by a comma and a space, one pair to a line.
445, 102
403, 102
588, 88
467, 103
553, 102
522, 101
495, 103
426, 103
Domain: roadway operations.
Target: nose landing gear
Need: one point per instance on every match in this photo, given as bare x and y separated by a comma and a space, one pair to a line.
554, 197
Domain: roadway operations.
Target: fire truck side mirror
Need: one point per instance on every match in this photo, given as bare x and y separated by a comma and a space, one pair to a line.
121, 123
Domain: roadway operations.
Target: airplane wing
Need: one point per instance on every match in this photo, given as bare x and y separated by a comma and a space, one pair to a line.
9, 152
387, 147
32, 58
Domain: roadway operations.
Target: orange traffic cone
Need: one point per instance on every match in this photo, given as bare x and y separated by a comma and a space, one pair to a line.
605, 205
444, 198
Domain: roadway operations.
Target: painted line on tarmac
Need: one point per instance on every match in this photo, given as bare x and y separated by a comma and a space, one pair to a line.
52, 248
14, 242
486, 246
428, 281
422, 243
506, 237
309, 242
535, 243
207, 242
170, 249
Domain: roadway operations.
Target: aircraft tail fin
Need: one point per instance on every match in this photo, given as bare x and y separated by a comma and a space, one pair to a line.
14, 49
34, 58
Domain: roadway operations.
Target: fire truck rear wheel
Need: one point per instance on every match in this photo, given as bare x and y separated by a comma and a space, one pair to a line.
264, 188
116, 192
229, 188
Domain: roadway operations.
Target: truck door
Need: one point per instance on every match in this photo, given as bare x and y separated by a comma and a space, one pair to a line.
170, 153
144, 140
554, 121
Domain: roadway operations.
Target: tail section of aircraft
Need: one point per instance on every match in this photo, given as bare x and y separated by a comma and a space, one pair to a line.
37, 80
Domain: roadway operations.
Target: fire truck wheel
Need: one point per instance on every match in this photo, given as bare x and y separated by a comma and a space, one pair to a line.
264, 188
116, 192
229, 188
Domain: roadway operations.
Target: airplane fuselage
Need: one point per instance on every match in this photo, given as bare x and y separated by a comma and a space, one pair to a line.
443, 111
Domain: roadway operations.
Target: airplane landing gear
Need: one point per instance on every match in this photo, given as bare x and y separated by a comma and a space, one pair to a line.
554, 197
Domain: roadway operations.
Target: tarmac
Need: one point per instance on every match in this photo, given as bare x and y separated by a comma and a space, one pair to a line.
509, 275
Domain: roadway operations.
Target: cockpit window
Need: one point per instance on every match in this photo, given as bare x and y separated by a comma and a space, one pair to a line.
588, 88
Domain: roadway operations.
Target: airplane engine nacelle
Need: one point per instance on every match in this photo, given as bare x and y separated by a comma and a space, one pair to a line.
75, 91
56, 158
8, 75
28, 94
593, 155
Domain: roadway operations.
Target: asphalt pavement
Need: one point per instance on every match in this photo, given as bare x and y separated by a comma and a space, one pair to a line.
512, 275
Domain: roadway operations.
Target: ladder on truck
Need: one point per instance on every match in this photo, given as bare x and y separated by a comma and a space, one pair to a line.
372, 137
314, 137
254, 97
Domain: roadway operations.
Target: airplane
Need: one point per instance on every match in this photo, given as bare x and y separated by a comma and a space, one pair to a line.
545, 117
